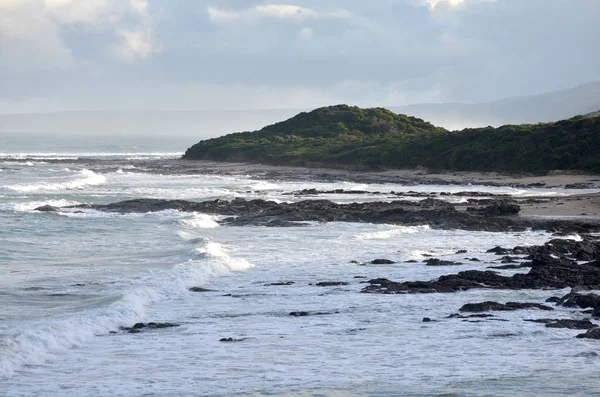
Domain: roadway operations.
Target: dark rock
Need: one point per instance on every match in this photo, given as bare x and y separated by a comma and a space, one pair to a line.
495, 306
299, 314
456, 315
501, 208
439, 262
47, 208
199, 289
461, 252
553, 299
412, 261
442, 215
582, 185
330, 283
584, 301
593, 333
306, 313
230, 339
505, 267
382, 262
565, 323
508, 259
280, 283
499, 250
138, 327
427, 320
474, 260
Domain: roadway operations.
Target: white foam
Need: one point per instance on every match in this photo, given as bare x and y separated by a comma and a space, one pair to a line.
30, 206
199, 221
218, 252
40, 340
389, 233
85, 178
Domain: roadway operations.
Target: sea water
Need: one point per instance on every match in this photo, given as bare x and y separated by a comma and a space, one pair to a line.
69, 280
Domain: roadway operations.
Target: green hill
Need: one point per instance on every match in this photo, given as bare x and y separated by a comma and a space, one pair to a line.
350, 137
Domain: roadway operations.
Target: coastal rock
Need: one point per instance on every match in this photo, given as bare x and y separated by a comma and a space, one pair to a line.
456, 315
258, 212
584, 301
230, 339
199, 289
565, 323
138, 327
280, 283
307, 313
439, 262
593, 333
495, 306
330, 283
501, 208
47, 208
382, 262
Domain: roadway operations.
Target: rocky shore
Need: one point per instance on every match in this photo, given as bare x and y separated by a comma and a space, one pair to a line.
484, 214
555, 265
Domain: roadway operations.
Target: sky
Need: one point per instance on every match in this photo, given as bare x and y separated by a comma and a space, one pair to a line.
90, 55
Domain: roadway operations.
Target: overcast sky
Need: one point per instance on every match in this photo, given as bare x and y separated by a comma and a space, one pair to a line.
240, 54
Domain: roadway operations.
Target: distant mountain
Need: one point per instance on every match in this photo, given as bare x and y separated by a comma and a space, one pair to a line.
350, 137
531, 109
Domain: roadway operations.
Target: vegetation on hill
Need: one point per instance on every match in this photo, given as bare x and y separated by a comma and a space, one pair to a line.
350, 137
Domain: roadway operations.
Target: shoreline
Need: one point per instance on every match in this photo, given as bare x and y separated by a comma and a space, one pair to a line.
580, 205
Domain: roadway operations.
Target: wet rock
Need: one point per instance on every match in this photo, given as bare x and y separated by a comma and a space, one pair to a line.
505, 267
382, 262
457, 315
439, 262
584, 301
280, 283
495, 306
47, 208
501, 208
307, 313
499, 250
553, 299
138, 327
581, 185
565, 323
474, 260
230, 339
439, 215
427, 320
593, 333
199, 289
330, 283
461, 252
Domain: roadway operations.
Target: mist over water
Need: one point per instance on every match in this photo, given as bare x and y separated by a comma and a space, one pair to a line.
69, 280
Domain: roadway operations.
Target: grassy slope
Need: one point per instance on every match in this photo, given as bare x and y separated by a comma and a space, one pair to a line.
343, 136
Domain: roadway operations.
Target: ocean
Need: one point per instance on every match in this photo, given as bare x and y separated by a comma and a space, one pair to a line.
71, 280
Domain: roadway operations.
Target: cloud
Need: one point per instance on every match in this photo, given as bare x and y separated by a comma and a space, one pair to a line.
46, 34
273, 11
135, 45
306, 33
451, 4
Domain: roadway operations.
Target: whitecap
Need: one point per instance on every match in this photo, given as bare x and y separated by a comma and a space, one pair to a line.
199, 221
85, 178
389, 233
